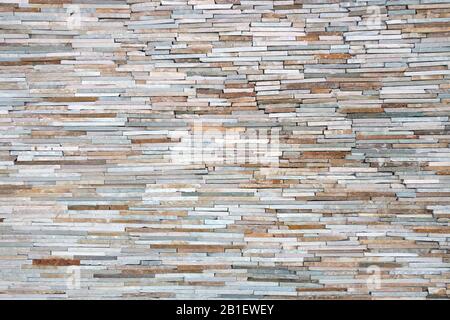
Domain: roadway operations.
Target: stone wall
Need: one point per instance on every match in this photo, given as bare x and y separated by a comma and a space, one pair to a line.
224, 149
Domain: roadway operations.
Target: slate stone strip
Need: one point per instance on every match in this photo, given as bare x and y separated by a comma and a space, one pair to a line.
104, 188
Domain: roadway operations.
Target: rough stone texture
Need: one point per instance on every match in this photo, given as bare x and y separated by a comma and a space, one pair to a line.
95, 95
